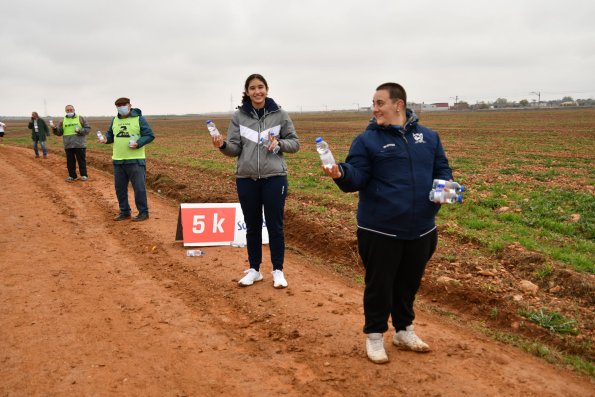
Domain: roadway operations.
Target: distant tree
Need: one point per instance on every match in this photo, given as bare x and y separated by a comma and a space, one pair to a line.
524, 103
501, 103
461, 106
567, 99
483, 105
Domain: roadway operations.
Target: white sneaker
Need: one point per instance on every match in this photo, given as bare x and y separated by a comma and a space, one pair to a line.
408, 340
375, 348
250, 278
279, 279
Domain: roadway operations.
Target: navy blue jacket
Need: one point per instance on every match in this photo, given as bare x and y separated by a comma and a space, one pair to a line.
392, 168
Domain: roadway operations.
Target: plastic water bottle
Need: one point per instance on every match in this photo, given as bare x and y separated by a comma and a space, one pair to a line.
194, 253
325, 153
441, 184
266, 141
100, 136
212, 129
445, 197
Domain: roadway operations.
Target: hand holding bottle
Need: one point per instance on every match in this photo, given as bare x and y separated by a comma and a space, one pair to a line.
334, 171
271, 143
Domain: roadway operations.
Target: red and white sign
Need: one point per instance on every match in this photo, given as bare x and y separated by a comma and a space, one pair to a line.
210, 224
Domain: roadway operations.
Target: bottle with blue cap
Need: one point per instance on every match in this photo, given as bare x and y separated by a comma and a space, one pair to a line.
441, 184
324, 151
212, 129
266, 141
440, 196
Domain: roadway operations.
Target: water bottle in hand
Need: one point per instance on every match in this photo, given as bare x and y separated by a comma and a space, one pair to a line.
212, 129
441, 184
440, 196
266, 141
100, 136
325, 153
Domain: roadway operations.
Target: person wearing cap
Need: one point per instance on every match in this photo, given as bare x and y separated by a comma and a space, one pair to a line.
129, 132
74, 129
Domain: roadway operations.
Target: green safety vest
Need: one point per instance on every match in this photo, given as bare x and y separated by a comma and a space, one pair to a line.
124, 130
68, 125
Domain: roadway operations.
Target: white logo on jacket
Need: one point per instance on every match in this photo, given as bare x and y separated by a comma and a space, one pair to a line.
419, 137
252, 135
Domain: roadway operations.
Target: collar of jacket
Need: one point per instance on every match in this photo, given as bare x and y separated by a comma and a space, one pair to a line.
270, 106
411, 122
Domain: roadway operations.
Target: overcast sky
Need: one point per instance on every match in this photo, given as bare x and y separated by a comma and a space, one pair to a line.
192, 56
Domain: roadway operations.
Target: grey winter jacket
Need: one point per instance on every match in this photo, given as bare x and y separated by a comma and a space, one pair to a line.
77, 141
244, 133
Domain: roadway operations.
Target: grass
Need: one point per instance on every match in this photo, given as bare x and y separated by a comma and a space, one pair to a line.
544, 271
552, 321
540, 219
545, 352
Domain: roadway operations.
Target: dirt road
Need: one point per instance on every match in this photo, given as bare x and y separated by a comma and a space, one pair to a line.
93, 307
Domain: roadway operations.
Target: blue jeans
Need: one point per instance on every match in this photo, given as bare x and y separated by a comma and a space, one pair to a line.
136, 175
253, 195
42, 143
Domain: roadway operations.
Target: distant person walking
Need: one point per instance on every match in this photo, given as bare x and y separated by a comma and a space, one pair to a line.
74, 129
2, 126
130, 132
261, 176
39, 132
392, 165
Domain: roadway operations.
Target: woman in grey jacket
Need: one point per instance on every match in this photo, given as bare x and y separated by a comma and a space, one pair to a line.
259, 134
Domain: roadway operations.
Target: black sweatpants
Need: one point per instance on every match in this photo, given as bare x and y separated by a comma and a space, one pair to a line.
269, 193
394, 269
72, 157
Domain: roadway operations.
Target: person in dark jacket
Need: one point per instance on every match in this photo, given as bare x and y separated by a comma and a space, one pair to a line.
392, 165
259, 134
39, 132
129, 132
74, 129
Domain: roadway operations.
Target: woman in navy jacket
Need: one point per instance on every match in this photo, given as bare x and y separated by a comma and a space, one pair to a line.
392, 165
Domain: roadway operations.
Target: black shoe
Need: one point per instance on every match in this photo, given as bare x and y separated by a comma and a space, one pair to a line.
122, 217
141, 217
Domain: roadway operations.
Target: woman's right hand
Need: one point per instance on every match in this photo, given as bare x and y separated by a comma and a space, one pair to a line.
218, 141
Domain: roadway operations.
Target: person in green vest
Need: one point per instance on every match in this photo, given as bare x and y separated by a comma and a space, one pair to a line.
39, 131
129, 132
74, 130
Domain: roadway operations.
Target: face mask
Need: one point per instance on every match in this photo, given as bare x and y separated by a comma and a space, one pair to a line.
123, 110
70, 114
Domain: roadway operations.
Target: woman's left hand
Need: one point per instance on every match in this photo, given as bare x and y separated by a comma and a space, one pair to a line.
274, 143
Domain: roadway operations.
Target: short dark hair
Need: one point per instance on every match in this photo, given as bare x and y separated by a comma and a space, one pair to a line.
122, 101
395, 91
246, 98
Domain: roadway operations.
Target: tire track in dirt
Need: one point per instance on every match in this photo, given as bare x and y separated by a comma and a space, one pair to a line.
90, 306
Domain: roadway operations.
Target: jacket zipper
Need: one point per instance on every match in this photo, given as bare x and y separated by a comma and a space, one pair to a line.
403, 131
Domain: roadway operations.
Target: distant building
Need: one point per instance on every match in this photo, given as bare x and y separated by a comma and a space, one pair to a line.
568, 103
432, 107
